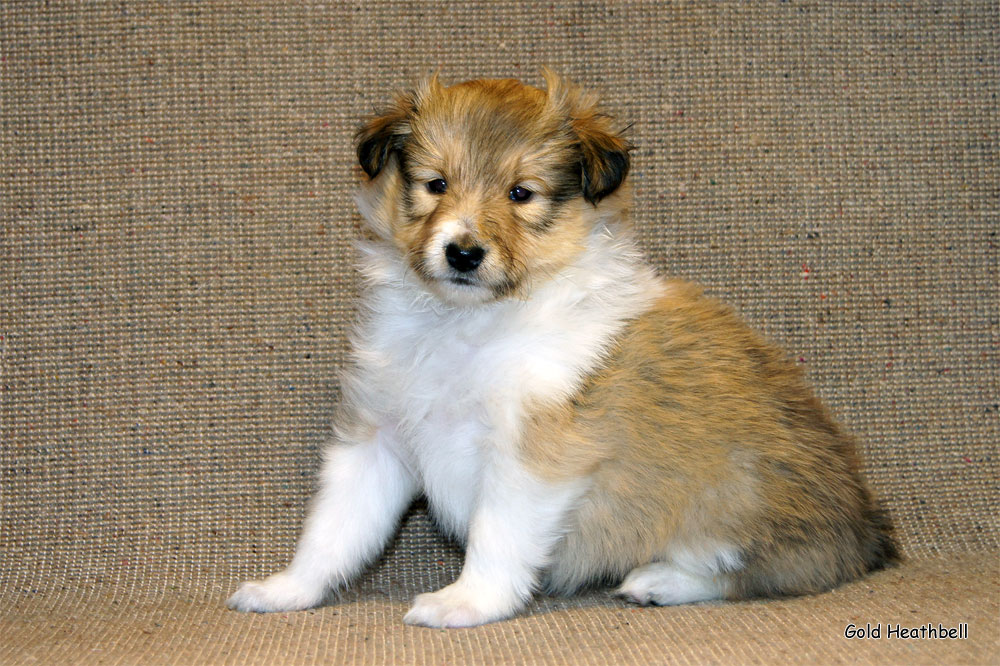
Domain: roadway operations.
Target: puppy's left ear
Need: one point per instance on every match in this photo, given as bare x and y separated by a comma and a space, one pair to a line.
604, 159
382, 135
604, 156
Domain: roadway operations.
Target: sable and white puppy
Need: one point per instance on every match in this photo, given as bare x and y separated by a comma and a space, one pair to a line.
571, 417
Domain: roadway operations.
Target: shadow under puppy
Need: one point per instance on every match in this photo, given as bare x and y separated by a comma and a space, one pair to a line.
571, 417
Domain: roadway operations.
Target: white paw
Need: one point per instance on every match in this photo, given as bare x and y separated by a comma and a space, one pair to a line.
458, 606
279, 592
664, 585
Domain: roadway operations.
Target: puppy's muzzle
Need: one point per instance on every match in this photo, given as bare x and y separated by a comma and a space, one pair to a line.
462, 258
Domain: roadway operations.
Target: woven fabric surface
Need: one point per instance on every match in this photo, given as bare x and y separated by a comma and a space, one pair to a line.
176, 283
109, 627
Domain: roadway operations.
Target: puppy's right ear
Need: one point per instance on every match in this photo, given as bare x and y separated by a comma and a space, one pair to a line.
383, 134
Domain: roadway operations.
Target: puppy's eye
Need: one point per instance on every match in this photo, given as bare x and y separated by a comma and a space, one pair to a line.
437, 186
520, 194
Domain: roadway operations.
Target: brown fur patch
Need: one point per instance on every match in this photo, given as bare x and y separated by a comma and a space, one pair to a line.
697, 434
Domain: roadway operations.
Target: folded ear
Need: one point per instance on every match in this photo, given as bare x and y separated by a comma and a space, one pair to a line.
604, 156
604, 159
383, 134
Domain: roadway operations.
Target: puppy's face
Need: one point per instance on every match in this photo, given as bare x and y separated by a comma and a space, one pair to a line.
489, 186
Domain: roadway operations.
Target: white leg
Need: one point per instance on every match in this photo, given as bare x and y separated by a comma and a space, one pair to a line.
665, 584
364, 489
515, 525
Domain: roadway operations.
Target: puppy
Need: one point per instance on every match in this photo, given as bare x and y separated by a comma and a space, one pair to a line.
572, 418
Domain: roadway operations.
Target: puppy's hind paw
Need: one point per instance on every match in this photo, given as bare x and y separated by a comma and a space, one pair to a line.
277, 593
661, 584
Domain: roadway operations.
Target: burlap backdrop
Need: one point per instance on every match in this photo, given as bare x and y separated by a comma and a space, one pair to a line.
175, 279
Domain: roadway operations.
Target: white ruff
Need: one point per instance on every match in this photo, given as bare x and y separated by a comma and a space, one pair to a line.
455, 383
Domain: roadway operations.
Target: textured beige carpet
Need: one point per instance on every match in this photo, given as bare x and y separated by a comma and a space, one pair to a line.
111, 625
176, 213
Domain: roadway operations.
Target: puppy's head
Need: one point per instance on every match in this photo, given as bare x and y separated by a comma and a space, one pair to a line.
488, 187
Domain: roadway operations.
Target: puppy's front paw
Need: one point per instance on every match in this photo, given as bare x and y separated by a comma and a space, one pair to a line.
279, 592
458, 606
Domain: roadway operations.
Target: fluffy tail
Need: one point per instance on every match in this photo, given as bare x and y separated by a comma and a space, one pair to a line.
882, 549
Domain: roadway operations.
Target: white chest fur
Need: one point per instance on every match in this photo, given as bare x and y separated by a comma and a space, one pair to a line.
451, 386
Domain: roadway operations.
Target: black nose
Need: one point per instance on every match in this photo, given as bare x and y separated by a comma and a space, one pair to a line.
464, 259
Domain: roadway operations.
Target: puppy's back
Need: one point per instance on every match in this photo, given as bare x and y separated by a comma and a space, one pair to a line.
705, 444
